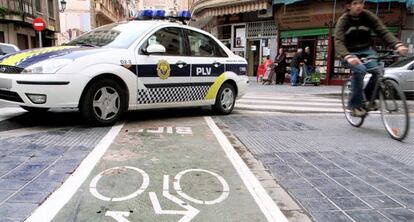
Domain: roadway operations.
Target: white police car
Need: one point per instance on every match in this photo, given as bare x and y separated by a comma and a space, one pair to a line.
126, 66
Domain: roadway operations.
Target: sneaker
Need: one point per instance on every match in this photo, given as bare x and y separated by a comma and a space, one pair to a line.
358, 112
373, 106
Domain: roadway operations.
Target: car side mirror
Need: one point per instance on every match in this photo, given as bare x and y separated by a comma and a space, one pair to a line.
155, 49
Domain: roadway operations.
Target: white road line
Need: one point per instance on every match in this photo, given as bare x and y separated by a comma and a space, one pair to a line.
48, 210
292, 98
263, 200
291, 102
7, 113
288, 108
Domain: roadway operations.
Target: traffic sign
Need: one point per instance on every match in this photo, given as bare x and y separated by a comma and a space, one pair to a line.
38, 24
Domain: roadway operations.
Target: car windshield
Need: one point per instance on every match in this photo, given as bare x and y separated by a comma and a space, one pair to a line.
118, 35
402, 62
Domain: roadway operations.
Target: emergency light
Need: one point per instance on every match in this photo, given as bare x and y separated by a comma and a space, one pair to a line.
148, 14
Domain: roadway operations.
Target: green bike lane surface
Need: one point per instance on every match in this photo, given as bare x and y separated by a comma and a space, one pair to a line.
166, 170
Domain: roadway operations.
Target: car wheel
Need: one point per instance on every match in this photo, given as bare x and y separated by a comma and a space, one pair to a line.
225, 99
103, 103
35, 109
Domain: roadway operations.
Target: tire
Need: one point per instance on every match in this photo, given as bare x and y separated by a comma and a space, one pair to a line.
394, 110
346, 96
103, 103
225, 99
35, 109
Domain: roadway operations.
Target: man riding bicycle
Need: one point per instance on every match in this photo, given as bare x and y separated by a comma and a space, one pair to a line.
353, 41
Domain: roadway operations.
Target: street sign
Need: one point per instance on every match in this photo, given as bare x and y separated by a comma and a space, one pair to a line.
38, 24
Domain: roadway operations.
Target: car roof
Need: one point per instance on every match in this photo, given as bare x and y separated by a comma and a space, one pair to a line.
11, 45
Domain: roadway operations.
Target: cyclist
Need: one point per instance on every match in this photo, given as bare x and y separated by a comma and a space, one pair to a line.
353, 41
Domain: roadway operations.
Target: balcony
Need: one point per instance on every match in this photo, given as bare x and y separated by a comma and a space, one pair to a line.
112, 10
16, 10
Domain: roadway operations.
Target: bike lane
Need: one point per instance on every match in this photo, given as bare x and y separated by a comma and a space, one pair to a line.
168, 170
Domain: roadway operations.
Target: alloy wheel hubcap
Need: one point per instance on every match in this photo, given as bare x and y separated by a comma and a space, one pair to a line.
106, 103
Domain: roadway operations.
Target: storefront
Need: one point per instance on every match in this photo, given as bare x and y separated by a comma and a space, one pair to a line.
310, 24
251, 40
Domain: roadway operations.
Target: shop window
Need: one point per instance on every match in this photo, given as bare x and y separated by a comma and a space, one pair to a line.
224, 32
38, 5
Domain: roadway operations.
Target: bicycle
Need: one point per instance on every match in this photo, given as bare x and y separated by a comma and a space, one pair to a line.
392, 102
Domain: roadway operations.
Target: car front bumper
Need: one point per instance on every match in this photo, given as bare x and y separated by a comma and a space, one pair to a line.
61, 90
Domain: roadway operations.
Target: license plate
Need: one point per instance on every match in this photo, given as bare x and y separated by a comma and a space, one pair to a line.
5, 83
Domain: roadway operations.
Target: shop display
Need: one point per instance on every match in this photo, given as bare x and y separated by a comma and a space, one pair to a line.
321, 59
290, 46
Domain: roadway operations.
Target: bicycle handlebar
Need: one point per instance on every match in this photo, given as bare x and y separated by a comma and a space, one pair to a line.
388, 55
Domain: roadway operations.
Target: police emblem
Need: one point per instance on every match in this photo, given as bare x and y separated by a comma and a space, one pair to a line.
163, 69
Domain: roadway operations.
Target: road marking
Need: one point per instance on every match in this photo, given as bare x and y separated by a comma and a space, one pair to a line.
57, 200
223, 196
94, 189
7, 113
263, 200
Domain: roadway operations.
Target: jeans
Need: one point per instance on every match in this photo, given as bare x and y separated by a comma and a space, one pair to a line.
294, 75
357, 78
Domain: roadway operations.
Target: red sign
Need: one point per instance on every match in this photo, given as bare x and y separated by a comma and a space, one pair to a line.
38, 24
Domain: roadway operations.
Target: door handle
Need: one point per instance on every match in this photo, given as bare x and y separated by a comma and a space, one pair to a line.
181, 64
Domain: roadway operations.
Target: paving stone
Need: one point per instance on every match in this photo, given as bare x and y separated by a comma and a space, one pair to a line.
305, 193
352, 203
17, 210
290, 157
38, 185
400, 215
336, 216
29, 197
367, 215
26, 172
4, 194
311, 173
11, 184
407, 200
338, 173
358, 187
392, 188
323, 182
376, 180
335, 192
317, 205
298, 183
379, 202
362, 172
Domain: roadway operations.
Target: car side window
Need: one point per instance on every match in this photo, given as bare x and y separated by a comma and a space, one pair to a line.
171, 38
203, 46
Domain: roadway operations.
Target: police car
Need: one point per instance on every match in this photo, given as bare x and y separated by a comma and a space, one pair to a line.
131, 65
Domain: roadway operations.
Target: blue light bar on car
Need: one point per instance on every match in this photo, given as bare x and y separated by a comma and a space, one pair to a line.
184, 15
158, 14
146, 13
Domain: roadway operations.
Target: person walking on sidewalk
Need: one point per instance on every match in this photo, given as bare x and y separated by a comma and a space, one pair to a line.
294, 67
353, 41
280, 67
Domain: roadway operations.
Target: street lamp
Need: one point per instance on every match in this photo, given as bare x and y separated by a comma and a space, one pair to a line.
62, 5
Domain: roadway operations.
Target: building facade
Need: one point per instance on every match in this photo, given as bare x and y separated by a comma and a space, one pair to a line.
304, 23
16, 18
81, 16
167, 5
246, 27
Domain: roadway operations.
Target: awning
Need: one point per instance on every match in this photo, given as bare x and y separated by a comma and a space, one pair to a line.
235, 8
319, 31
287, 2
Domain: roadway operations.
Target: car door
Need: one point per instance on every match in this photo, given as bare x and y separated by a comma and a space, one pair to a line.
208, 59
163, 78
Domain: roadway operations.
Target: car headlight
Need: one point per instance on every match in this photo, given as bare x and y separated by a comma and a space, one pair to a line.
49, 66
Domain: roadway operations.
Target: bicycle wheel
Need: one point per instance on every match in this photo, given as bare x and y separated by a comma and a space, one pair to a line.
346, 96
394, 110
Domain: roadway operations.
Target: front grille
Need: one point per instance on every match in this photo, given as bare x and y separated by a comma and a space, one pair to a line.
10, 69
10, 96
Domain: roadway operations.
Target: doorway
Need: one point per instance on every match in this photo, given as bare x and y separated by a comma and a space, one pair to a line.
253, 56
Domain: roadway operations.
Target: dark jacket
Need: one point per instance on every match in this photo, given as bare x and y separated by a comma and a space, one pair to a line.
296, 60
281, 64
354, 33
307, 58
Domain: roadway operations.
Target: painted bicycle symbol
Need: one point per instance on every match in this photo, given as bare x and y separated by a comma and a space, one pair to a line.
188, 214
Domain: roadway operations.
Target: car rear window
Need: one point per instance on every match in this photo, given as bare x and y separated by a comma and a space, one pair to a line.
401, 62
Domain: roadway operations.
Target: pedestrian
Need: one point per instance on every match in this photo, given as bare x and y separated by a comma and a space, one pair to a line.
353, 41
307, 64
280, 66
294, 67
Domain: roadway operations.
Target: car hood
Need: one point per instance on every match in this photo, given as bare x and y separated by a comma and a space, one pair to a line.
25, 58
